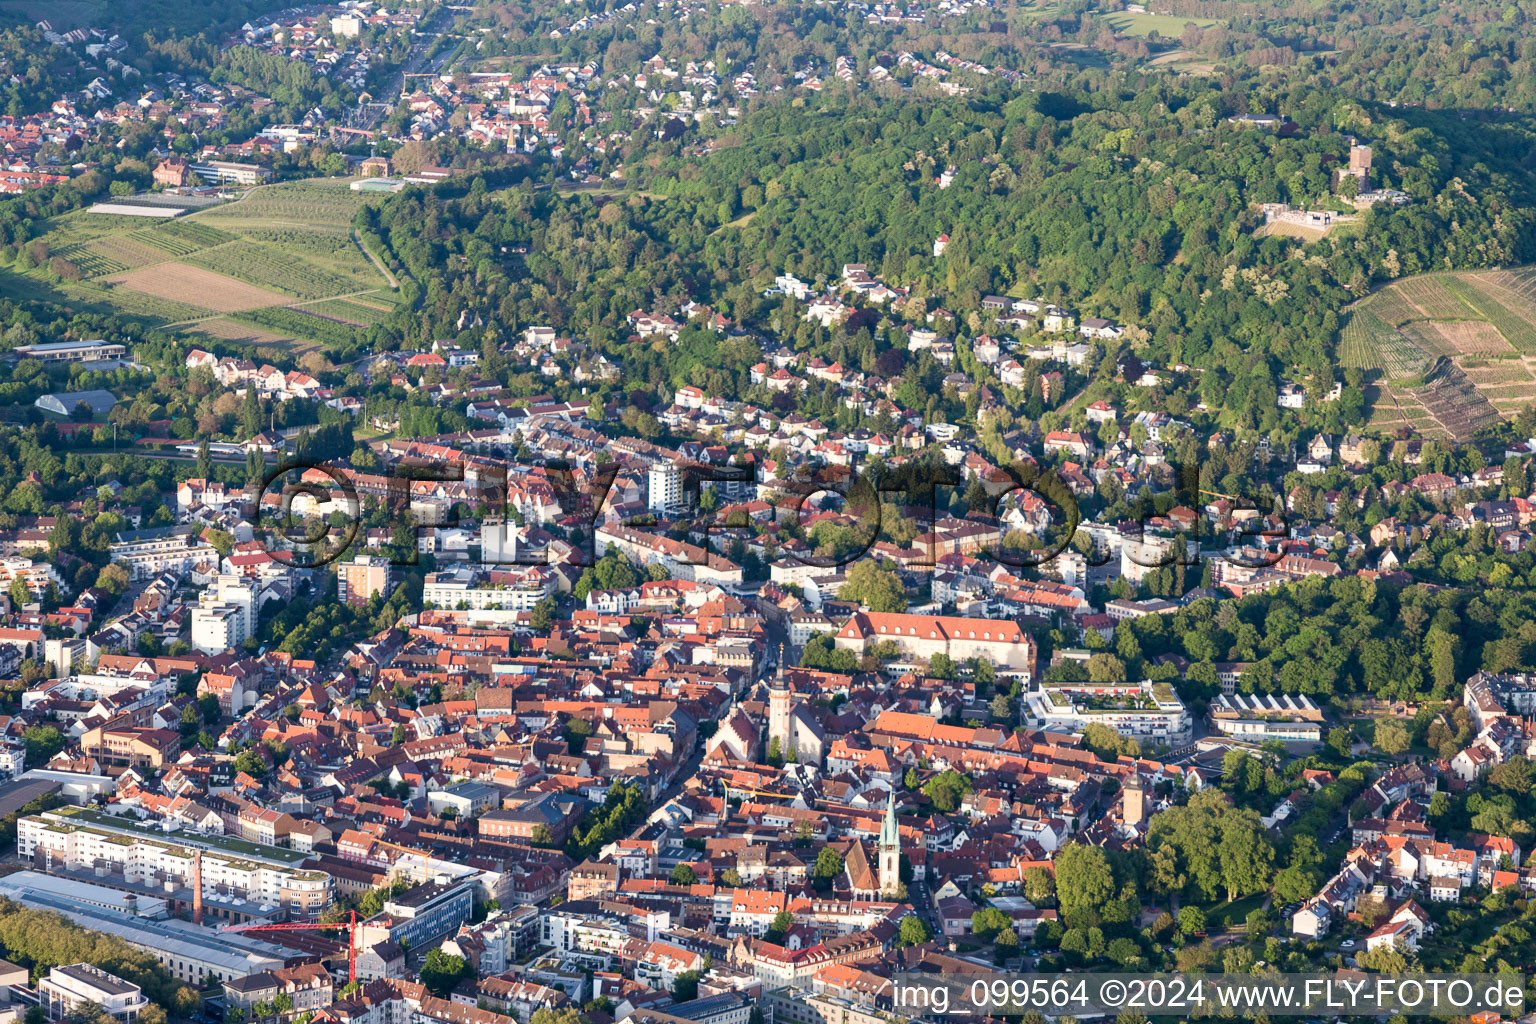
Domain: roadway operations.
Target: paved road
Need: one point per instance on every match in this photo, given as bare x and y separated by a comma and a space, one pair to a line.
416, 62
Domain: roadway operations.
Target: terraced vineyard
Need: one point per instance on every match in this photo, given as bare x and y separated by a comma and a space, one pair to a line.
1371, 343
1459, 349
244, 270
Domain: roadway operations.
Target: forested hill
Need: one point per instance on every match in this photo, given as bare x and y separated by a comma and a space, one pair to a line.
1129, 200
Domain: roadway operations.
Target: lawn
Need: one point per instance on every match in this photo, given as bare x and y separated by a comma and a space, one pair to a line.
1166, 25
1223, 916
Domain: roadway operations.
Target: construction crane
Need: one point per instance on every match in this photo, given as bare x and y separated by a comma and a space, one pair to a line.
350, 927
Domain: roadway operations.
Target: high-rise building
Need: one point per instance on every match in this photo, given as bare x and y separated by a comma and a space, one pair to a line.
225, 614
361, 578
666, 486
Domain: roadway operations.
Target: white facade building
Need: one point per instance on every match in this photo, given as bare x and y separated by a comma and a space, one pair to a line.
67, 988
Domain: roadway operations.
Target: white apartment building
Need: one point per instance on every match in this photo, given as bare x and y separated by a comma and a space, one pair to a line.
225, 615
1144, 710
36, 575
463, 586
148, 553
571, 933
241, 879
218, 627
665, 487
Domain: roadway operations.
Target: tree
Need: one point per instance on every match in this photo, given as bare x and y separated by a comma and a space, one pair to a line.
543, 615
20, 595
875, 588
1340, 740
1002, 707
251, 763
440, 972
1123, 951
946, 790
685, 987
684, 875
1084, 882
1247, 858
114, 579
1191, 920
1392, 737
541, 836
1109, 744
1294, 884
567, 1015
1040, 887
43, 741
988, 922
829, 864
779, 927
913, 931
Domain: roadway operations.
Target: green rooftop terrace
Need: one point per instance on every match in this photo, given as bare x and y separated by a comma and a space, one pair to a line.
229, 845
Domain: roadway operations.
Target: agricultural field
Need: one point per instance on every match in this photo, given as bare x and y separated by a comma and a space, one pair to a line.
1185, 61
302, 204
194, 286
1429, 298
278, 245
182, 237
270, 268
1508, 310
296, 323
1470, 338
226, 329
1478, 330
360, 314
1371, 343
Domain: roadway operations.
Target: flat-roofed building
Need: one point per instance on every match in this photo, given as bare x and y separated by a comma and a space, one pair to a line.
1144, 710
1290, 718
222, 172
67, 988
189, 952
148, 553
71, 351
242, 881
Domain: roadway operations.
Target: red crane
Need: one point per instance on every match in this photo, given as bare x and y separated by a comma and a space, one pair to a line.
306, 926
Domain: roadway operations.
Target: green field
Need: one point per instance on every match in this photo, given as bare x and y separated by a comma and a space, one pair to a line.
293, 322
292, 238
1169, 26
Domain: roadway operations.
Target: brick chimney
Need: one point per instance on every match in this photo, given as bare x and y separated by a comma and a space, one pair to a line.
197, 886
